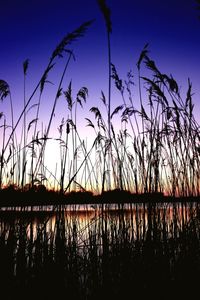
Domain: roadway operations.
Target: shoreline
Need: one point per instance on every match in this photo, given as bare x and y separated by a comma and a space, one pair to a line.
14, 198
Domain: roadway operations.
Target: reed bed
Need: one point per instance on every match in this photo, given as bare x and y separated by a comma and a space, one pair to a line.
155, 149
146, 145
142, 250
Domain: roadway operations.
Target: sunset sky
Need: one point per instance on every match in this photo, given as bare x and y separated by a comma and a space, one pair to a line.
32, 29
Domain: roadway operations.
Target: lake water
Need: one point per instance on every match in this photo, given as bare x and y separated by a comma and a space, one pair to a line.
136, 218
91, 247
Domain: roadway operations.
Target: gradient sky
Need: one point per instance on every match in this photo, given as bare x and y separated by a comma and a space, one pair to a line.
32, 29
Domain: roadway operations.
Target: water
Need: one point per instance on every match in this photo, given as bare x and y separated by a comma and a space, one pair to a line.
91, 247
134, 217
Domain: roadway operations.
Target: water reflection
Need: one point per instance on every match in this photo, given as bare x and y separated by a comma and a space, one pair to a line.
90, 246
137, 218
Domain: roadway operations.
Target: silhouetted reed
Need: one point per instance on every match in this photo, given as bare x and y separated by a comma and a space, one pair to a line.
140, 249
145, 145
149, 146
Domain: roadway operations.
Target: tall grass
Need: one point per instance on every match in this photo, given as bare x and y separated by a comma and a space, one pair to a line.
106, 14
143, 252
145, 145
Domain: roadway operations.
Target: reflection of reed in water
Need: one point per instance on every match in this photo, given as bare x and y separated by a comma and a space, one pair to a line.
143, 248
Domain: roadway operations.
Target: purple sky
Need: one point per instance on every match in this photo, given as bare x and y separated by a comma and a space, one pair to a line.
31, 29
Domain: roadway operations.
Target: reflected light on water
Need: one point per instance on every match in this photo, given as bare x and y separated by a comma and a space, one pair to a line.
137, 219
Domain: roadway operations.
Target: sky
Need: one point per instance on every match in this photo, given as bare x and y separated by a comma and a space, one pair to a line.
32, 29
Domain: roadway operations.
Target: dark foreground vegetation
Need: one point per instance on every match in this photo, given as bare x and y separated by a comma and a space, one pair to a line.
147, 251
155, 151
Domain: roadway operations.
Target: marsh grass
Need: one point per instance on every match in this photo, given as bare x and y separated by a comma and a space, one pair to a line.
145, 145
148, 146
144, 252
